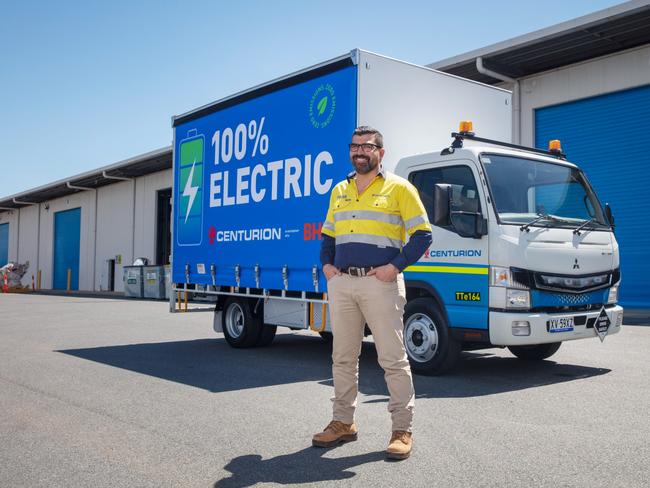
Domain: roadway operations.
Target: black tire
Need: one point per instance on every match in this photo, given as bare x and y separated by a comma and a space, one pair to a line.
535, 353
429, 345
241, 327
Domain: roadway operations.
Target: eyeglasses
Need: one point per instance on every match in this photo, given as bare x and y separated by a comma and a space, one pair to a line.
367, 147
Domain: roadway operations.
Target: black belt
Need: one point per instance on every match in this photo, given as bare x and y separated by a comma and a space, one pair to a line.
355, 271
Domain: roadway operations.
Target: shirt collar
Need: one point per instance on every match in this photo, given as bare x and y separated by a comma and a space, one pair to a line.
381, 173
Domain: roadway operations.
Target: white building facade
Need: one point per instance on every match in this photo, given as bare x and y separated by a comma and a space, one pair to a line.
119, 219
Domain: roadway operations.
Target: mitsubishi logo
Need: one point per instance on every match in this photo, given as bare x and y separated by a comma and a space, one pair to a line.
576, 265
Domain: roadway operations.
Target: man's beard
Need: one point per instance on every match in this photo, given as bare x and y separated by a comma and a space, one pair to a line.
363, 165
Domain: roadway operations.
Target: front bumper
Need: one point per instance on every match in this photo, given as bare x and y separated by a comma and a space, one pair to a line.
501, 326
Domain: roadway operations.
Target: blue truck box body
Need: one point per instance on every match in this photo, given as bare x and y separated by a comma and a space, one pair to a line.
252, 182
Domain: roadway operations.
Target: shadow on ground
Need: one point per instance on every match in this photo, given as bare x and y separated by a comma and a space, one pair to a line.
306, 466
212, 365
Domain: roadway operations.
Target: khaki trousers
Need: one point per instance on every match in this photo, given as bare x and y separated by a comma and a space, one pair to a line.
353, 302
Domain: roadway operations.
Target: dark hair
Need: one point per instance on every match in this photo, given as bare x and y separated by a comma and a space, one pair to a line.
363, 130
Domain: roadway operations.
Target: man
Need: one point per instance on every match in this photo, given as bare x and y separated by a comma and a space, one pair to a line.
363, 255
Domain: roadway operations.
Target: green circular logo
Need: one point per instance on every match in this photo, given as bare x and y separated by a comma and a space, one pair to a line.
322, 106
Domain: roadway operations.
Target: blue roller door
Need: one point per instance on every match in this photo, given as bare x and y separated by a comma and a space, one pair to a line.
67, 227
4, 244
609, 137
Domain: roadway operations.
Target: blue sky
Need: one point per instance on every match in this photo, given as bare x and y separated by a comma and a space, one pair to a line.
86, 84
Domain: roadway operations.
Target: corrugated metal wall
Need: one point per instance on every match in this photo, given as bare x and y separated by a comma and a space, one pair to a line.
609, 137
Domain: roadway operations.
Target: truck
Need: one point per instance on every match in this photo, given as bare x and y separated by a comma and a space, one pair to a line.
523, 254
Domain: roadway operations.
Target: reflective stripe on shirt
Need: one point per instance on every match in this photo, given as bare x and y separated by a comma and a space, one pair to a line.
368, 215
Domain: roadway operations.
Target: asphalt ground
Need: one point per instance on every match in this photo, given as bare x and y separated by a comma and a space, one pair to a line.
98, 392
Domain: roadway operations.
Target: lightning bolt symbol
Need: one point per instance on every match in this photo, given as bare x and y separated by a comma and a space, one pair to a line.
190, 191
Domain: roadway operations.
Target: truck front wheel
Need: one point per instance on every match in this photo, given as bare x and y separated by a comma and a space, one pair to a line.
535, 353
430, 347
241, 327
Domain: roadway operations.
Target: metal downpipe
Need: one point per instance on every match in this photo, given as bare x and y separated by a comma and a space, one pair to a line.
516, 97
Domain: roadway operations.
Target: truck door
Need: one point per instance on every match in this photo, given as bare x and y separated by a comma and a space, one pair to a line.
455, 266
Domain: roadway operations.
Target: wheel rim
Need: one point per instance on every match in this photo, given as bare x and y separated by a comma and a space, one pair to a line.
235, 320
421, 337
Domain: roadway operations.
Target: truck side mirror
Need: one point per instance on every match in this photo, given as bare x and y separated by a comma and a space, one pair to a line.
609, 215
441, 205
465, 224
469, 224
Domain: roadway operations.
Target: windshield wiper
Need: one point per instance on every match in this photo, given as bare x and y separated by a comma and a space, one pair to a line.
577, 230
541, 216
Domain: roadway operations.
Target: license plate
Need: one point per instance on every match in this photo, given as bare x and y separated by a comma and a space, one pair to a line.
560, 324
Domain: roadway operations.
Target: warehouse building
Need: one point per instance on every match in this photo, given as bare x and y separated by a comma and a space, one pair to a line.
79, 232
585, 81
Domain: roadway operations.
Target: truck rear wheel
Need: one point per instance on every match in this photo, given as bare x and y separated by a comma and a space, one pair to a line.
535, 353
430, 347
241, 327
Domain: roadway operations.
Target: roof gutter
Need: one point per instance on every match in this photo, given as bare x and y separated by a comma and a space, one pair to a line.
119, 178
18, 202
75, 187
516, 97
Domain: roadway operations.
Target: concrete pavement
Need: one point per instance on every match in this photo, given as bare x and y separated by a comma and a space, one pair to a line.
100, 392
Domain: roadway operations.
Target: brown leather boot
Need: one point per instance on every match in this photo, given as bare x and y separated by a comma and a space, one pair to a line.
335, 433
400, 445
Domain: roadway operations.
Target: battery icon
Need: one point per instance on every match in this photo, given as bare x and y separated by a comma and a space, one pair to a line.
189, 214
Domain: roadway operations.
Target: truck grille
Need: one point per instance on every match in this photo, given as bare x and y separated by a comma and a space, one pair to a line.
566, 284
568, 301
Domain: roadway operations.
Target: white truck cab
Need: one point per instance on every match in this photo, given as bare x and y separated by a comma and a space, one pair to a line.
523, 253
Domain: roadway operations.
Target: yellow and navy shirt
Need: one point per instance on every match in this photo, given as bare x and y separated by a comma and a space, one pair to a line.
371, 229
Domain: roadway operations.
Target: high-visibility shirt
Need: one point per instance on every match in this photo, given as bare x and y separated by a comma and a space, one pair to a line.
371, 229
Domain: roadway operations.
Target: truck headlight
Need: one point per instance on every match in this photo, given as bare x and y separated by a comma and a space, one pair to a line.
517, 298
612, 297
500, 276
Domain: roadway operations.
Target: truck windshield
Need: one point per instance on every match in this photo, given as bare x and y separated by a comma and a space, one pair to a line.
525, 189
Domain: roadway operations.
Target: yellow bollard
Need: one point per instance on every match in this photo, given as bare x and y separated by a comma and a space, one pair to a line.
38, 279
186, 300
69, 276
178, 295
